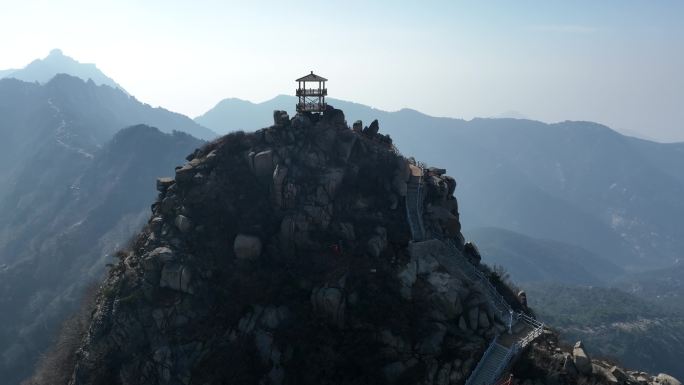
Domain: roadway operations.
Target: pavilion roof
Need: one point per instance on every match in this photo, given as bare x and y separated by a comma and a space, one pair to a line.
312, 77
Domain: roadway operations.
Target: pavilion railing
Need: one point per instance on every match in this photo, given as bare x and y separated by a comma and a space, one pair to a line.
311, 92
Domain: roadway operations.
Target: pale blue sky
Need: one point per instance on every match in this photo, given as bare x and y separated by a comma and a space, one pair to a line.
614, 62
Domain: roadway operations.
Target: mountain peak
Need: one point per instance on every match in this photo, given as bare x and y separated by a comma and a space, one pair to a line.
314, 206
268, 248
56, 62
56, 53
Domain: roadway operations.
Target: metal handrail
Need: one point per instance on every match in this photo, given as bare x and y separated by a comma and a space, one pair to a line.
530, 321
311, 91
538, 329
410, 220
498, 301
419, 207
417, 228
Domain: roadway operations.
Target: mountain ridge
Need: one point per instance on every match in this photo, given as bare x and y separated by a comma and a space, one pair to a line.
583, 172
42, 70
95, 205
529, 260
287, 103
60, 213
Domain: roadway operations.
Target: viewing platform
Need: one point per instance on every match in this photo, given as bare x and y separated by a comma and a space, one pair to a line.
311, 92
311, 99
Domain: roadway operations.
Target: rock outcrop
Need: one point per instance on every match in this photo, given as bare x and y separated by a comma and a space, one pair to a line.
284, 256
581, 359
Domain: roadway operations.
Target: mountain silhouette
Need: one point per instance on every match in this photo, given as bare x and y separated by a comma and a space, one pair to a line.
42, 70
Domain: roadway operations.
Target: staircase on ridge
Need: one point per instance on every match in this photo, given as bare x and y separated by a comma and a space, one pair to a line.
522, 328
488, 369
414, 206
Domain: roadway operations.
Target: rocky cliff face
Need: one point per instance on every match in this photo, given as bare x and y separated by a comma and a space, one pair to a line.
285, 257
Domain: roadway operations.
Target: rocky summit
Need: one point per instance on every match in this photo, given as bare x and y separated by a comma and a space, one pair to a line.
310, 252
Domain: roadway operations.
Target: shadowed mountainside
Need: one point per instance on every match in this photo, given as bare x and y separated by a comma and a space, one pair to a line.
57, 240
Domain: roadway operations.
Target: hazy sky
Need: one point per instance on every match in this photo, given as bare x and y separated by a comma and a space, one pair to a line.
615, 62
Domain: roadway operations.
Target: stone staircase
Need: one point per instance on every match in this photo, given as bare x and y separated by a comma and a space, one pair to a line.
414, 207
489, 368
522, 329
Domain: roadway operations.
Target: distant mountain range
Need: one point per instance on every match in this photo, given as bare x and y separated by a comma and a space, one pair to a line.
579, 183
77, 114
42, 70
530, 260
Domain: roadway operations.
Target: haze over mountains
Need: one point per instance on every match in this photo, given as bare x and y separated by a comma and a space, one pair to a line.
575, 182
75, 186
573, 203
620, 325
42, 70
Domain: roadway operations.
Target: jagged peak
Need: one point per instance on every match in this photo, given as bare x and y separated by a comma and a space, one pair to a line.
56, 52
56, 62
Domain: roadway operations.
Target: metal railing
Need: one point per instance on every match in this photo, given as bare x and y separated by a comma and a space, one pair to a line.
419, 209
414, 208
413, 226
530, 321
311, 91
537, 330
497, 301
